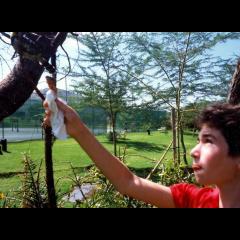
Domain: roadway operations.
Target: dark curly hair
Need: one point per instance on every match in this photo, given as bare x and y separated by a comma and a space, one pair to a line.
226, 118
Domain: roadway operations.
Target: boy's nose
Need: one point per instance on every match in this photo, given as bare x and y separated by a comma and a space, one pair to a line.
195, 152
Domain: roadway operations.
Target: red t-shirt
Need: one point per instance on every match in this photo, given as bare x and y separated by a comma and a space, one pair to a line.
190, 196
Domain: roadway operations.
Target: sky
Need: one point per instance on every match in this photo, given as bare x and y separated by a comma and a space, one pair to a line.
224, 50
69, 45
228, 49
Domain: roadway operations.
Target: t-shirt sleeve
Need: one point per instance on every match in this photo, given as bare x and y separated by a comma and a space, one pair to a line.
184, 195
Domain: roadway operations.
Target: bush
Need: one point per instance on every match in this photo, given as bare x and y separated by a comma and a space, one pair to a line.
33, 193
107, 197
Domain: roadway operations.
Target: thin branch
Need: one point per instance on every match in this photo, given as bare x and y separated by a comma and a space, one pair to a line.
58, 39
74, 34
163, 156
4, 41
6, 35
147, 86
69, 64
158, 61
5, 61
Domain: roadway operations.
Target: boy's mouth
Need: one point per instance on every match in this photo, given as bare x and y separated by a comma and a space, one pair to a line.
196, 167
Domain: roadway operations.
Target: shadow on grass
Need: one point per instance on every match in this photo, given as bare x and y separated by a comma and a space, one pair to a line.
144, 146
10, 174
6, 152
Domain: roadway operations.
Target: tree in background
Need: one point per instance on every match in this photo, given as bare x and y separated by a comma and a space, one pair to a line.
102, 84
177, 67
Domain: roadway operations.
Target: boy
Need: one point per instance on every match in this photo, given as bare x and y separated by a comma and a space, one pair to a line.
216, 161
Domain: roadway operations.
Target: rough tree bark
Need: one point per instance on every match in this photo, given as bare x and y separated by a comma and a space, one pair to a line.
18, 86
234, 93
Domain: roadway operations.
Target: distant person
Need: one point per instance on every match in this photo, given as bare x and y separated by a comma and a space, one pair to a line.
216, 162
148, 131
126, 127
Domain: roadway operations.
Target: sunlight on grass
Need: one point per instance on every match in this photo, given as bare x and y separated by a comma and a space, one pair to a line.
143, 151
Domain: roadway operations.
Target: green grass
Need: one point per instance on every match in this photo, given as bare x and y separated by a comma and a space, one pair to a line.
143, 151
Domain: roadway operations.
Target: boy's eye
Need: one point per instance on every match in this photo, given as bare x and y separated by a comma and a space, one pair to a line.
208, 140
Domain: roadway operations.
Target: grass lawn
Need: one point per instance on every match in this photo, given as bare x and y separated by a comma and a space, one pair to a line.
143, 151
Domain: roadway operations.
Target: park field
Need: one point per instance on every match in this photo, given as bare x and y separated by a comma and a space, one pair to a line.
142, 151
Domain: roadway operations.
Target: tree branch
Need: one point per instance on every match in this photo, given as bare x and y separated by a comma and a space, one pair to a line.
18, 86
5, 35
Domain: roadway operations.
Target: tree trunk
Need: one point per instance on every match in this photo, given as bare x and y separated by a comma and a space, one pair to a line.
177, 123
183, 144
18, 86
178, 134
234, 93
113, 134
52, 200
174, 135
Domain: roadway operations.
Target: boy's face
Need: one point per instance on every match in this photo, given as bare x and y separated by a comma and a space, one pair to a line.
211, 161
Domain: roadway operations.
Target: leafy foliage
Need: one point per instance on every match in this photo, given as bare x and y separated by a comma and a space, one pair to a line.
107, 197
33, 189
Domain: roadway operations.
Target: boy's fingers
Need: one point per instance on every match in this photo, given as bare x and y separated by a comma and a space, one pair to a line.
47, 113
61, 105
45, 104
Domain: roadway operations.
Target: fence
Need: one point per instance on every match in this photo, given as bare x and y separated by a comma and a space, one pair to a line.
22, 131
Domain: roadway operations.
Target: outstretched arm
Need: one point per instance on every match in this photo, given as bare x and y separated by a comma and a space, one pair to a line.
118, 174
